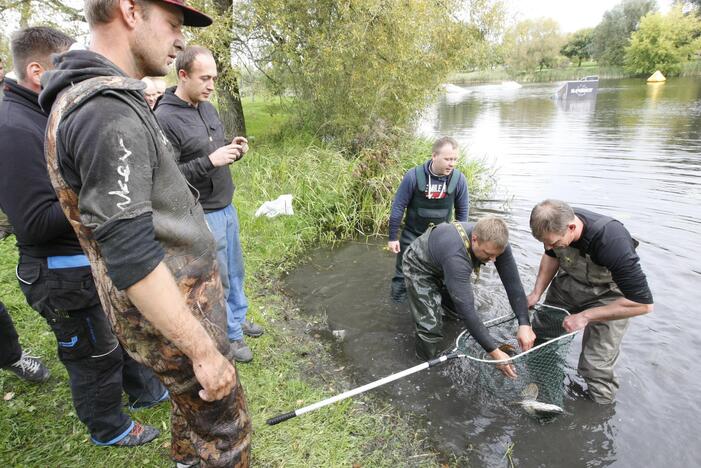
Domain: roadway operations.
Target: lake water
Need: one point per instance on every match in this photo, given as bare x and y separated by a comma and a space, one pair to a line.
633, 153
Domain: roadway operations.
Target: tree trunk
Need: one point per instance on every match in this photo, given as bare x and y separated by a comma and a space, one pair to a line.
230, 108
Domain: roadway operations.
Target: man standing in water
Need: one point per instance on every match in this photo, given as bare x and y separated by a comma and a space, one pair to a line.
593, 271
445, 257
152, 254
428, 194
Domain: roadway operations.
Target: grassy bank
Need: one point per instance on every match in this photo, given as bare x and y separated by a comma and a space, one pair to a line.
558, 74
335, 198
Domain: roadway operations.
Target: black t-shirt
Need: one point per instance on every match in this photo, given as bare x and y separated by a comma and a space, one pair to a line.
447, 251
613, 247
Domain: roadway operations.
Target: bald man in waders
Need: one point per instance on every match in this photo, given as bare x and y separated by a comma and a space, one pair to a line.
428, 193
444, 257
591, 269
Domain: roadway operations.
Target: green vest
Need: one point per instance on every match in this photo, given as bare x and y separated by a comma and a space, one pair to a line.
581, 267
422, 211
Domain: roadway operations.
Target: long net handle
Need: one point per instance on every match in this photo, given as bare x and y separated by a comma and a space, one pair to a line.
342, 396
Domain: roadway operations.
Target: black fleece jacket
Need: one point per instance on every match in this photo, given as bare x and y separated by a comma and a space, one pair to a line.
195, 133
26, 194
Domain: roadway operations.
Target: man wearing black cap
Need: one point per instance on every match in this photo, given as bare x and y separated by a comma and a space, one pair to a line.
153, 257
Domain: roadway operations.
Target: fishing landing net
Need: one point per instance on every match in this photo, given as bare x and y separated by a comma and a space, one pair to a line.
543, 365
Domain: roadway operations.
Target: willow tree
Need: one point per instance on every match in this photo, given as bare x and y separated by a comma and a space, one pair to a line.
219, 38
357, 67
60, 13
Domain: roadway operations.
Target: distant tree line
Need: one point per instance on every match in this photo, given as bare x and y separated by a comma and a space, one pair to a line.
632, 34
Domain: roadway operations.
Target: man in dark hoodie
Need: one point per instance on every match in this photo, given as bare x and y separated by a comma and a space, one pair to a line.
53, 272
428, 194
153, 256
204, 155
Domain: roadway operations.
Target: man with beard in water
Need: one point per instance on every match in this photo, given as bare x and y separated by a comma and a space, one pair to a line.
445, 256
153, 257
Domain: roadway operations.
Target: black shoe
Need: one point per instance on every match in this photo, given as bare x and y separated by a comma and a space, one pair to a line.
251, 329
30, 368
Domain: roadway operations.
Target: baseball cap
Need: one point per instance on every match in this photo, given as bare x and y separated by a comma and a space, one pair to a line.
191, 17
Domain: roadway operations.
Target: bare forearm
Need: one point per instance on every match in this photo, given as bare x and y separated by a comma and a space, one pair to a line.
546, 272
160, 301
619, 309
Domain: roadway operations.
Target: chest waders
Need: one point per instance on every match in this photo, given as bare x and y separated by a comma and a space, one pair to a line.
581, 284
214, 433
425, 290
421, 213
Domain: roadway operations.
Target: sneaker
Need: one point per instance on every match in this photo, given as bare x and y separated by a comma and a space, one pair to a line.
251, 329
241, 352
30, 368
137, 405
140, 434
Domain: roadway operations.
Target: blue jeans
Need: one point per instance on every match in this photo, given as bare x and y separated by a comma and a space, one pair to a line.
224, 225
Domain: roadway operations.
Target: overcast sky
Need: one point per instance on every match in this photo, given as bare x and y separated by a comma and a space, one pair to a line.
572, 15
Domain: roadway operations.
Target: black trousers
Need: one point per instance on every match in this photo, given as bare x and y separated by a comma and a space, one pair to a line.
10, 350
98, 368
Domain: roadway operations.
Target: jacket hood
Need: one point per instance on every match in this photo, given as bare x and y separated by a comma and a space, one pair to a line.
73, 67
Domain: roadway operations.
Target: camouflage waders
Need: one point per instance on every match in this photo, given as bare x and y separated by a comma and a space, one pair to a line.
217, 434
580, 285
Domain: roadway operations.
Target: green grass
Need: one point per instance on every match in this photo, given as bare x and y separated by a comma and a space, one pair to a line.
335, 198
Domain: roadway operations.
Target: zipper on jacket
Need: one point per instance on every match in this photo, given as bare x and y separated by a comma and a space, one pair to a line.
206, 127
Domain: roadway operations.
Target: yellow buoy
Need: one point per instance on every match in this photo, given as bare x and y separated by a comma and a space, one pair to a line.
657, 77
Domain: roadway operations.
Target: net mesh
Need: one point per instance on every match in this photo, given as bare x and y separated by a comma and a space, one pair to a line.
545, 365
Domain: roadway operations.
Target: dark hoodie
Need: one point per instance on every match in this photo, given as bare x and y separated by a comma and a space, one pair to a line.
26, 194
108, 151
195, 133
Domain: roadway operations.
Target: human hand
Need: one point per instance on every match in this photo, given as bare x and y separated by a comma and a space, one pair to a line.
532, 299
225, 155
216, 375
393, 246
525, 337
506, 368
575, 322
243, 143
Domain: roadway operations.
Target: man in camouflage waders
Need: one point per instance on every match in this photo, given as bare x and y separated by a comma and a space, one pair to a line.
428, 193
593, 271
151, 253
445, 257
